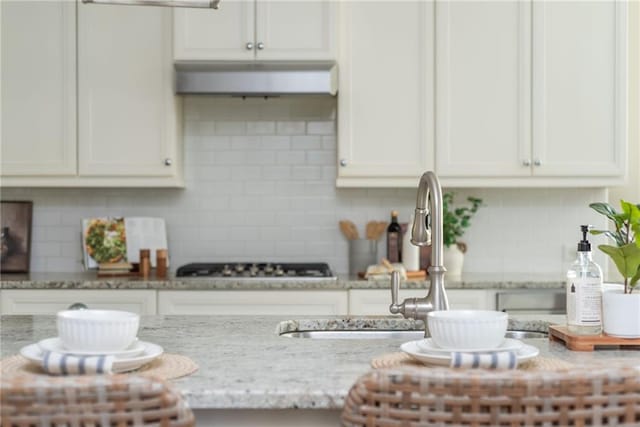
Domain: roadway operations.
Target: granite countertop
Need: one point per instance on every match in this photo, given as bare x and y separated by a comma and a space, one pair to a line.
88, 280
245, 364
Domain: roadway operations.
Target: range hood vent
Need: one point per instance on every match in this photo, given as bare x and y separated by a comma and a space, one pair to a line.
256, 78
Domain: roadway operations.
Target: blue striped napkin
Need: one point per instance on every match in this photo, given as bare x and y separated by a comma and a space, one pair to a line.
494, 360
68, 364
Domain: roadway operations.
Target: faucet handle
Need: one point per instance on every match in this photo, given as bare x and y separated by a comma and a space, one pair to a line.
394, 308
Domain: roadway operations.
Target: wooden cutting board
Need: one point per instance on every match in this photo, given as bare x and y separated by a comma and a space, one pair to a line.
575, 342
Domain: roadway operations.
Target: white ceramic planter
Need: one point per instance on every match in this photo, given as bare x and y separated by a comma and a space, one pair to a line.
621, 314
453, 259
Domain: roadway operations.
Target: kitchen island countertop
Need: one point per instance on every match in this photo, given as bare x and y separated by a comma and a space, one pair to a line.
245, 364
88, 280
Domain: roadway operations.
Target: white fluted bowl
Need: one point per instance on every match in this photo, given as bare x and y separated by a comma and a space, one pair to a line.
467, 329
97, 330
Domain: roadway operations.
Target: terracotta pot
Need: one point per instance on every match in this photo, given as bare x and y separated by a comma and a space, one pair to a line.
621, 313
454, 259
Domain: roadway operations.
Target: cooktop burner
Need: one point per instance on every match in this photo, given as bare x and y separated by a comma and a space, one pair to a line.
257, 270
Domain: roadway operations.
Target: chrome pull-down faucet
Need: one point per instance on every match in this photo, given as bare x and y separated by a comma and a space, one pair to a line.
426, 230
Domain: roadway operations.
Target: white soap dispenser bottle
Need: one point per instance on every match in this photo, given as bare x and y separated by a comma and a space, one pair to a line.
584, 291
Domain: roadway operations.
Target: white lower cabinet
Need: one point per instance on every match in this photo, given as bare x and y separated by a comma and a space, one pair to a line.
367, 302
290, 303
50, 301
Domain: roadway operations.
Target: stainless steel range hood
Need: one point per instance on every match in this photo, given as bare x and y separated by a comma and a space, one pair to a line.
256, 78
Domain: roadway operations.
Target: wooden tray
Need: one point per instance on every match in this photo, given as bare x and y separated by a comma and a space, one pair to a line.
588, 342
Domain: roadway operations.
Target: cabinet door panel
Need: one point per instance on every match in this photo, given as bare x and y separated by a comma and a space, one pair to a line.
482, 88
127, 111
385, 119
579, 88
215, 34
288, 303
38, 125
50, 301
300, 30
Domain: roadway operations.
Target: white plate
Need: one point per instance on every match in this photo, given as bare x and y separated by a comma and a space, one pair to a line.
55, 345
428, 346
525, 352
33, 352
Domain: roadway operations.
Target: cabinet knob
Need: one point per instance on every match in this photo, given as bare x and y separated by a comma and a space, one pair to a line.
526, 162
537, 162
260, 46
168, 162
249, 46
343, 162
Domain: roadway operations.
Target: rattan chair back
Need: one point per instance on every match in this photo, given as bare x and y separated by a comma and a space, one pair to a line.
104, 401
445, 397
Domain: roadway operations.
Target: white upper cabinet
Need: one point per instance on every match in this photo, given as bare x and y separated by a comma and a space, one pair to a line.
126, 104
483, 52
531, 93
38, 124
257, 29
124, 107
579, 89
385, 114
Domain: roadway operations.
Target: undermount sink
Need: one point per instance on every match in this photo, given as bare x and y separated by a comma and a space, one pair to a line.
388, 334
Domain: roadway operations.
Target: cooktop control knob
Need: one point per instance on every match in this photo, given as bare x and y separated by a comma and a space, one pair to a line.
226, 271
279, 271
268, 268
239, 268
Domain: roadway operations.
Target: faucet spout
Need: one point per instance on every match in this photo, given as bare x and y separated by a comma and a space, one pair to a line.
426, 231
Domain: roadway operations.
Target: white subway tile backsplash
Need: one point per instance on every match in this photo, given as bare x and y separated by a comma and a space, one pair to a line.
321, 128
261, 187
261, 128
291, 128
230, 128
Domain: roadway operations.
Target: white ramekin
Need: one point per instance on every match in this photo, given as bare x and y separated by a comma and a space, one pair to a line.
467, 329
97, 330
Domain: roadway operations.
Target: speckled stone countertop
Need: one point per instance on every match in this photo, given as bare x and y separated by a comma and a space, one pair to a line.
88, 280
245, 364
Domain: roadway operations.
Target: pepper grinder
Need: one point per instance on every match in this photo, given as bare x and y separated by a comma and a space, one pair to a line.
145, 263
161, 263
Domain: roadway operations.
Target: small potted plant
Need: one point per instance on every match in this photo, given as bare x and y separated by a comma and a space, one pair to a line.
455, 220
621, 307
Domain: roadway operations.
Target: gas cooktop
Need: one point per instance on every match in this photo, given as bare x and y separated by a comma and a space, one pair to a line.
258, 270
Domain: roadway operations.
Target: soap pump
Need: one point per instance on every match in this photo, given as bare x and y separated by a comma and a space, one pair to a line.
584, 291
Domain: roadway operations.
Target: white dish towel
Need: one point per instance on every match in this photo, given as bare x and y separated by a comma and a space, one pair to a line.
494, 360
67, 364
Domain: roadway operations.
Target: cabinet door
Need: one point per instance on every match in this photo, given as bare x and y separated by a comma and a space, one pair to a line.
295, 30
215, 34
385, 119
483, 83
127, 110
288, 303
38, 124
579, 88
50, 301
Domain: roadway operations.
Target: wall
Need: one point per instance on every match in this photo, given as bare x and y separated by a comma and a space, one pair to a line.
260, 185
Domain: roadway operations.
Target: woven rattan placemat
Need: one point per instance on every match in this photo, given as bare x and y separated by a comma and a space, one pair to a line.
168, 367
398, 360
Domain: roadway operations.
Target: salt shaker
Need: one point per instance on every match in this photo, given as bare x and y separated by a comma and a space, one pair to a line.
161, 263
145, 262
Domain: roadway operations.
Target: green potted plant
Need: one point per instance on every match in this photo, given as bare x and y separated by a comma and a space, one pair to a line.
455, 220
621, 307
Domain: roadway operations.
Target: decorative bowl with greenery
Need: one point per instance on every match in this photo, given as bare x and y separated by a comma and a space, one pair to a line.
626, 251
455, 220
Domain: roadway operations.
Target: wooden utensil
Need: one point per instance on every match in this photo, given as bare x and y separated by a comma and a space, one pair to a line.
349, 229
380, 228
372, 230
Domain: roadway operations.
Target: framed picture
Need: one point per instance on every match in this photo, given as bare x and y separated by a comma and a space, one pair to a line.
15, 225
